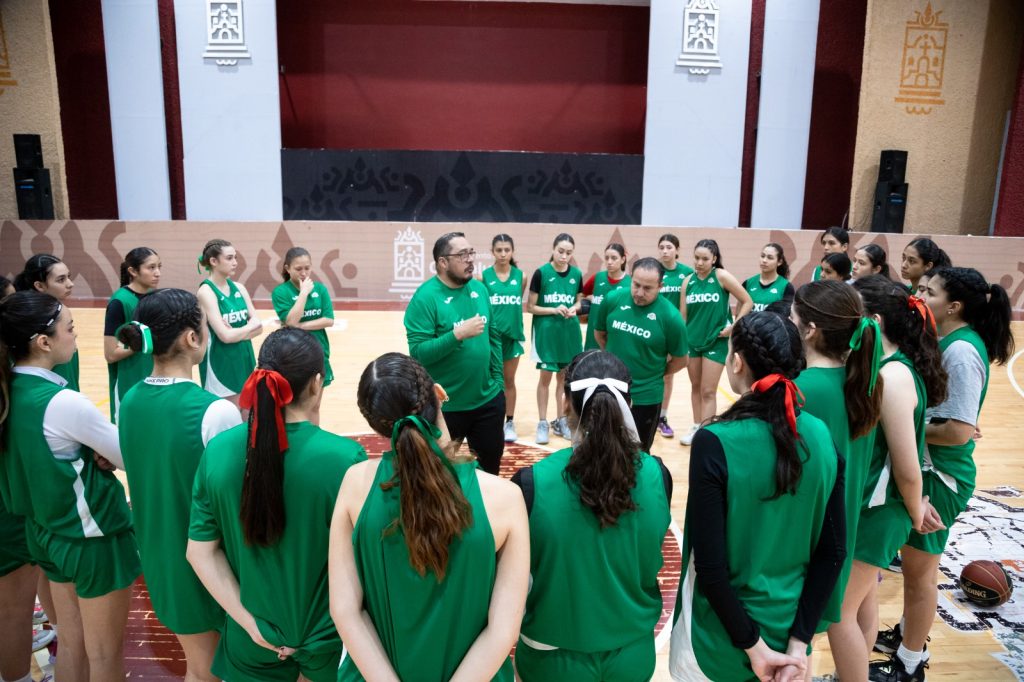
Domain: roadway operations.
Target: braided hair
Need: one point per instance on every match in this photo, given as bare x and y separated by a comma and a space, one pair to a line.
770, 344
712, 246
37, 269
986, 307
433, 510
168, 313
213, 249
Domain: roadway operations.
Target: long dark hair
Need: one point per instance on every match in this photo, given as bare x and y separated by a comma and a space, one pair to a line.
23, 315
134, 259
783, 268
290, 255
877, 258
840, 262
904, 326
836, 310
604, 463
930, 253
770, 344
37, 269
841, 235
433, 511
986, 308
168, 313
712, 246
498, 238
561, 237
298, 357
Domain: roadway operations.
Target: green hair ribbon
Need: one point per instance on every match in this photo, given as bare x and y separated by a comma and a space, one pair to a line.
199, 265
430, 433
856, 341
147, 338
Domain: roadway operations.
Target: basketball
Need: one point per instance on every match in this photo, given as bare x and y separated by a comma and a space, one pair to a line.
986, 582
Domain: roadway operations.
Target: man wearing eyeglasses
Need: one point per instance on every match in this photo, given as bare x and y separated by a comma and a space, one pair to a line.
447, 325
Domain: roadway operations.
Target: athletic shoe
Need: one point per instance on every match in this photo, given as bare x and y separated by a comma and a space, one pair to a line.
510, 432
39, 615
888, 641
896, 565
42, 638
542, 433
664, 429
687, 437
893, 670
561, 427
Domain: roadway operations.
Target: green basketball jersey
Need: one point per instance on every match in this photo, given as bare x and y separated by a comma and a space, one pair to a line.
762, 295
643, 338
70, 497
770, 543
161, 438
613, 570
556, 340
602, 287
134, 368
69, 372
284, 586
672, 283
707, 311
506, 300
425, 626
318, 305
226, 366
817, 273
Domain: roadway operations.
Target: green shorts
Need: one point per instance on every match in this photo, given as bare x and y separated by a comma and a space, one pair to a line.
96, 566
882, 530
718, 351
13, 545
948, 504
551, 366
510, 348
239, 658
633, 662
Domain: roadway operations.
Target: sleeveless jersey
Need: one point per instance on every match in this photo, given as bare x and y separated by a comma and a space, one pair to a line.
672, 283
817, 273
318, 305
226, 366
70, 497
69, 372
557, 339
614, 569
602, 287
763, 296
506, 302
134, 368
707, 311
161, 438
425, 626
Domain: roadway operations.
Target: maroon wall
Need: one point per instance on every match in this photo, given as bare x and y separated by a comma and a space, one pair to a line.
753, 110
172, 108
407, 74
84, 108
1010, 208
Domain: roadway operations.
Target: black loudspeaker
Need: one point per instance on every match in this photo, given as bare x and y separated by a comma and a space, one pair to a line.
890, 207
35, 196
892, 166
28, 151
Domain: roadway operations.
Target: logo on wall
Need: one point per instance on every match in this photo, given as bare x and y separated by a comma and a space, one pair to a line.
700, 37
924, 60
225, 32
408, 263
6, 80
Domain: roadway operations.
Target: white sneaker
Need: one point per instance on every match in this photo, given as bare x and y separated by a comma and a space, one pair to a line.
687, 437
542, 433
42, 638
510, 432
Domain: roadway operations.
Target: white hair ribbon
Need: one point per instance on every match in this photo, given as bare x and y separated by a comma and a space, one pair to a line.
616, 387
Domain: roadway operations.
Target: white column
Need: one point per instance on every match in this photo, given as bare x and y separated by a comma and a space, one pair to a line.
693, 149
784, 119
230, 114
135, 83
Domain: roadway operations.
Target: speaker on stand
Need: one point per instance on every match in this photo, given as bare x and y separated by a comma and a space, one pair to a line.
890, 208
31, 181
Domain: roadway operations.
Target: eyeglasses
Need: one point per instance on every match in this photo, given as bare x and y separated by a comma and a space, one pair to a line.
466, 255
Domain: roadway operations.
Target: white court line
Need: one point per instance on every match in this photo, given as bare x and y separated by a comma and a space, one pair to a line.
1009, 372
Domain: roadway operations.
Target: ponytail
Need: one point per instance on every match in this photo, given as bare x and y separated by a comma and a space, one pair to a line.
23, 316
986, 307
160, 320
134, 259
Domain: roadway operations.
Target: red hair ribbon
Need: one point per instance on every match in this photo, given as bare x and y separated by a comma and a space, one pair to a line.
765, 383
280, 391
922, 308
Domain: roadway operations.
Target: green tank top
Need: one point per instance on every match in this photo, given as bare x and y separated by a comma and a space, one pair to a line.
619, 563
763, 296
557, 339
318, 305
226, 366
126, 373
69, 496
672, 283
506, 302
767, 576
707, 311
816, 275
602, 287
69, 372
425, 627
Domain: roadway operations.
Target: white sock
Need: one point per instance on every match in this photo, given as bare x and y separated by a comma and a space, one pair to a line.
664, 413
903, 624
911, 659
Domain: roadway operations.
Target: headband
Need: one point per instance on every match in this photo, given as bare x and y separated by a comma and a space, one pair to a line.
765, 383
280, 391
857, 340
616, 388
430, 433
49, 323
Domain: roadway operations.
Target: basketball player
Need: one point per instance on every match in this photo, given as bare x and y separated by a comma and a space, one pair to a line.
671, 286
304, 303
506, 285
833, 240
49, 275
771, 285
918, 257
869, 260
602, 283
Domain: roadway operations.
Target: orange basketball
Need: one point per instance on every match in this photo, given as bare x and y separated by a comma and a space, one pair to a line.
986, 582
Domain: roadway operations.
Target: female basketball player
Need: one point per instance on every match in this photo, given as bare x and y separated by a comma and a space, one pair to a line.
55, 472
705, 307
302, 303
140, 274
914, 379
165, 424
260, 520
833, 240
555, 292
49, 275
601, 283
920, 256
506, 285
671, 286
870, 260
841, 387
973, 319
764, 538
441, 598
233, 323
771, 285
836, 266
598, 513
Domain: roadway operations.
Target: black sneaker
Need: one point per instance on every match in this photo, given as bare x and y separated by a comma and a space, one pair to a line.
893, 670
888, 641
896, 565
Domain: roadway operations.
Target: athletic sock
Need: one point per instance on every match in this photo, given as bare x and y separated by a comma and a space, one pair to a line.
508, 417
910, 659
664, 413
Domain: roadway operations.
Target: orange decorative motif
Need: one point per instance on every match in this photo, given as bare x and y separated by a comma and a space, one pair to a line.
923, 63
6, 81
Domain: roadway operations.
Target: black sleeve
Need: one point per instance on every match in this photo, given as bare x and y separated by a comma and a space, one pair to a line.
535, 282
745, 287
114, 318
524, 479
705, 523
788, 294
826, 562
666, 478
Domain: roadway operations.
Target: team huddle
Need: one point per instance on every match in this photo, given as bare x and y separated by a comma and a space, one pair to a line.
276, 550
